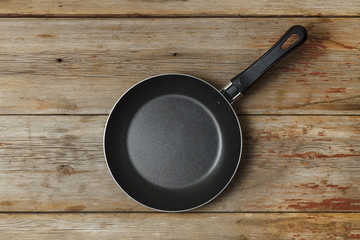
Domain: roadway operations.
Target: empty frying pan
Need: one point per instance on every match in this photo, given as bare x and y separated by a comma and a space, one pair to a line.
173, 142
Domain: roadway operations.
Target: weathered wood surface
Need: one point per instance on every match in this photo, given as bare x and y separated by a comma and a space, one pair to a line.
242, 226
180, 8
289, 163
81, 66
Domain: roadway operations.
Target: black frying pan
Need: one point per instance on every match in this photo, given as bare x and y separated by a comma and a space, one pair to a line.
173, 142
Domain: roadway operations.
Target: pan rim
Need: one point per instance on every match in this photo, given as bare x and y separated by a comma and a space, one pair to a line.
199, 205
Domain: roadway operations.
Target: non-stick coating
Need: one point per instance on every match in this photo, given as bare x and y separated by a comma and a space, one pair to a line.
172, 142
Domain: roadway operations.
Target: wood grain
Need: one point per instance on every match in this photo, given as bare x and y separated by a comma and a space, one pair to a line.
242, 226
180, 8
289, 163
81, 66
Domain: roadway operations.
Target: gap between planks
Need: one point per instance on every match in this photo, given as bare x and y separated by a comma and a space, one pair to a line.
191, 212
238, 114
113, 16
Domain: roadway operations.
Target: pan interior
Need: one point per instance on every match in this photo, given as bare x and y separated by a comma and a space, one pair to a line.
173, 141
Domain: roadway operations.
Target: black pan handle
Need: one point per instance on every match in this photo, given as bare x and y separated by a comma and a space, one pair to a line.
242, 82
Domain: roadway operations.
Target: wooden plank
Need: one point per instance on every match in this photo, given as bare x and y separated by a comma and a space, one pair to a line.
180, 8
289, 163
81, 66
243, 226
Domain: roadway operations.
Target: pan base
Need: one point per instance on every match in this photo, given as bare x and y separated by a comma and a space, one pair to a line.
173, 141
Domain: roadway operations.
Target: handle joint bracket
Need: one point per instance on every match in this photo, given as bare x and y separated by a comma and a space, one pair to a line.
231, 93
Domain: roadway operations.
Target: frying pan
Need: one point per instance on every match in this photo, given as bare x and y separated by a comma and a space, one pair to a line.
173, 142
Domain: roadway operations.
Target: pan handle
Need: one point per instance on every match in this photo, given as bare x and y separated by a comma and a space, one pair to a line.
242, 82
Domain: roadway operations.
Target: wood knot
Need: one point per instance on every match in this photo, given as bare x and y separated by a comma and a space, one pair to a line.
311, 155
59, 60
65, 170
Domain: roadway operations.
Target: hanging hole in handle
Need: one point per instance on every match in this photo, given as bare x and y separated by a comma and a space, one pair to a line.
290, 41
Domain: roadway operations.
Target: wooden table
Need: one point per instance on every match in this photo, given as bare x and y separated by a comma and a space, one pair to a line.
63, 64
